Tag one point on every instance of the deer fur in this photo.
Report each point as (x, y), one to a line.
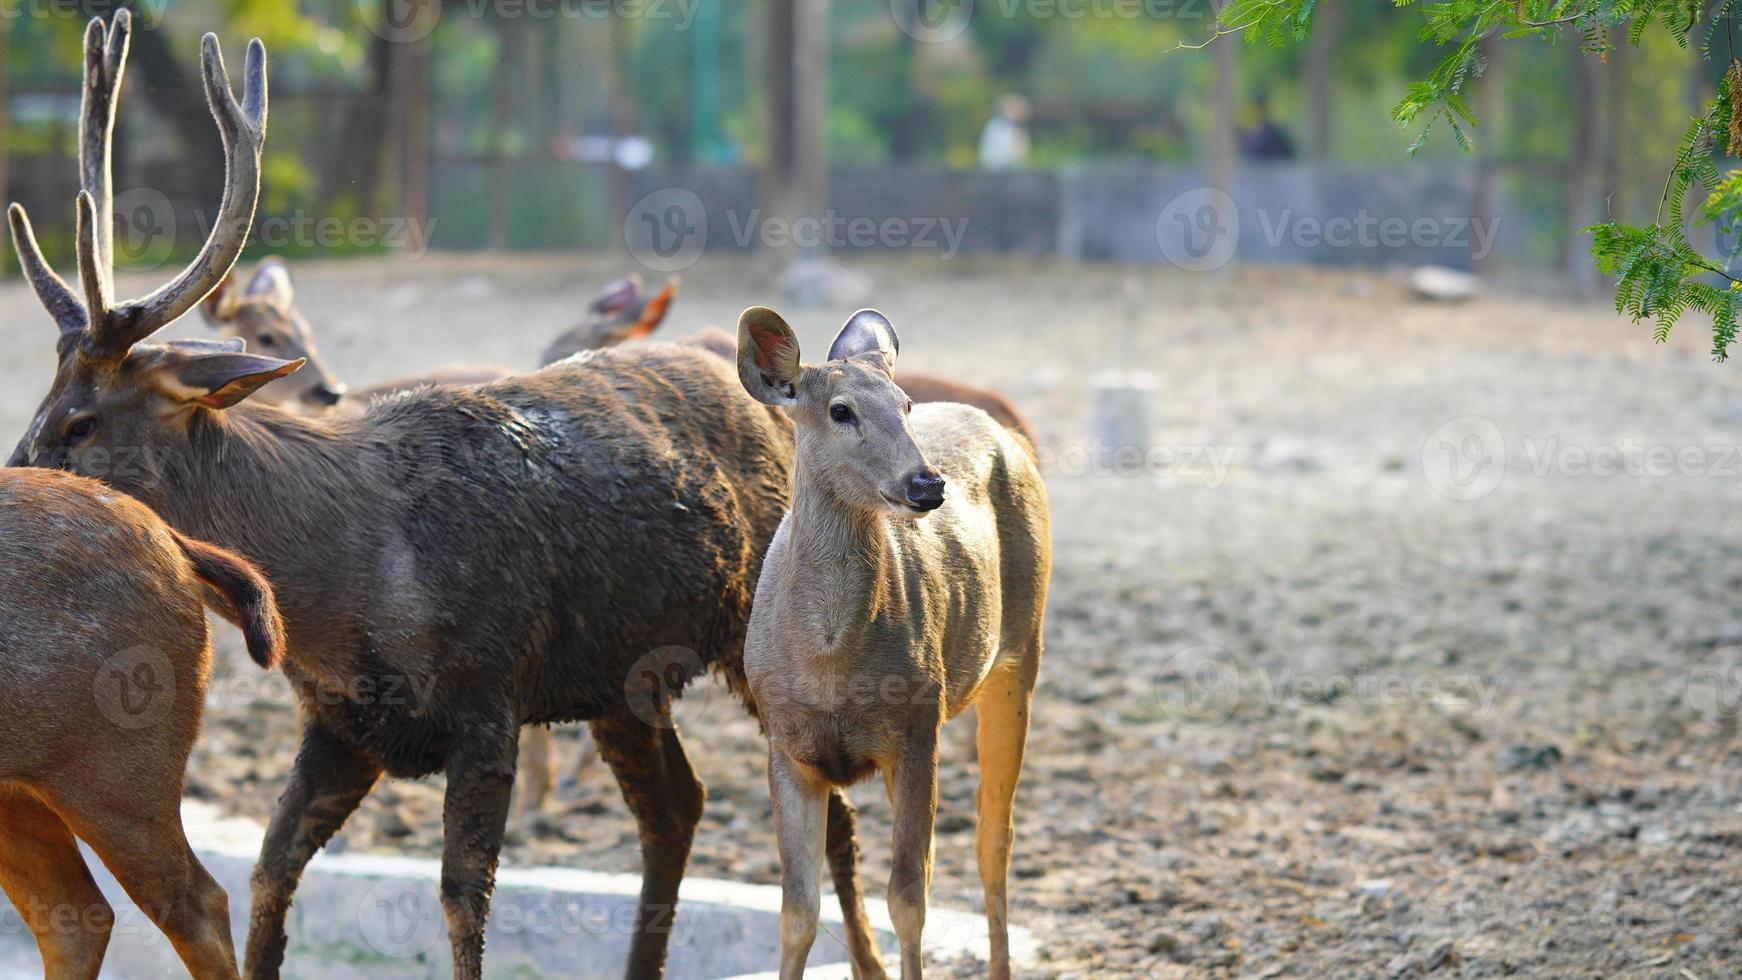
(104, 655)
(261, 311)
(453, 564)
(907, 583)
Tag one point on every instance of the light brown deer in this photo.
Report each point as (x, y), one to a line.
(907, 583)
(452, 565)
(104, 654)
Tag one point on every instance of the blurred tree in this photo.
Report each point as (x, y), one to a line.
(5, 100)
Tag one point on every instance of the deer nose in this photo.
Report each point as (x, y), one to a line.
(925, 490)
(326, 395)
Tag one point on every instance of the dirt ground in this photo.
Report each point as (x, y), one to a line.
(1307, 711)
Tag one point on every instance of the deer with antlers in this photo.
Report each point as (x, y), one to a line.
(452, 565)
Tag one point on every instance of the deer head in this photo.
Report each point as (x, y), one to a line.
(262, 313)
(620, 313)
(850, 418)
(111, 392)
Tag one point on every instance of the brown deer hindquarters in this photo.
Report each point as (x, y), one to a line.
(103, 662)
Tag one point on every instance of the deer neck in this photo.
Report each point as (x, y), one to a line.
(273, 486)
(840, 565)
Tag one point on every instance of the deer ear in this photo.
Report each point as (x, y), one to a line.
(618, 295)
(652, 312)
(867, 332)
(219, 306)
(767, 357)
(271, 282)
(217, 379)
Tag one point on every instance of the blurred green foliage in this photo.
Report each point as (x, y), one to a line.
(1098, 74)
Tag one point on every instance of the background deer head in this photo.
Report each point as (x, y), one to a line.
(261, 312)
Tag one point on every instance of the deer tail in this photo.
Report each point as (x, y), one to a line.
(249, 593)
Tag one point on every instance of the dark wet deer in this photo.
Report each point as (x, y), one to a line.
(907, 584)
(104, 655)
(452, 565)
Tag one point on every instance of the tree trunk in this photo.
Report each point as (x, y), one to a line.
(796, 179)
(621, 99)
(1224, 139)
(1582, 199)
(510, 39)
(1485, 206)
(411, 98)
(5, 103)
(356, 167)
(1321, 54)
(1615, 134)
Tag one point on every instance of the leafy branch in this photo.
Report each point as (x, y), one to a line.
(1658, 273)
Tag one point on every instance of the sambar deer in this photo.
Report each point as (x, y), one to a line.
(907, 583)
(260, 310)
(452, 565)
(104, 655)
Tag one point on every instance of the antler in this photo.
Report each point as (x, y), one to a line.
(104, 325)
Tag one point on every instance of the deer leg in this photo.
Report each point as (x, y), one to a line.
(140, 839)
(666, 797)
(843, 851)
(44, 875)
(327, 782)
(801, 828)
(913, 785)
(585, 759)
(480, 768)
(1003, 705)
(533, 786)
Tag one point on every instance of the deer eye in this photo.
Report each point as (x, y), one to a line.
(81, 429)
(267, 341)
(841, 413)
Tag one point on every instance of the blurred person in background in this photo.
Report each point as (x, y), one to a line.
(1004, 141)
(1261, 138)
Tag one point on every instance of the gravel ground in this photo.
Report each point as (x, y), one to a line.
(1305, 711)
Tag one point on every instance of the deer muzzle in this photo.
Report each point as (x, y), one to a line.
(924, 490)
